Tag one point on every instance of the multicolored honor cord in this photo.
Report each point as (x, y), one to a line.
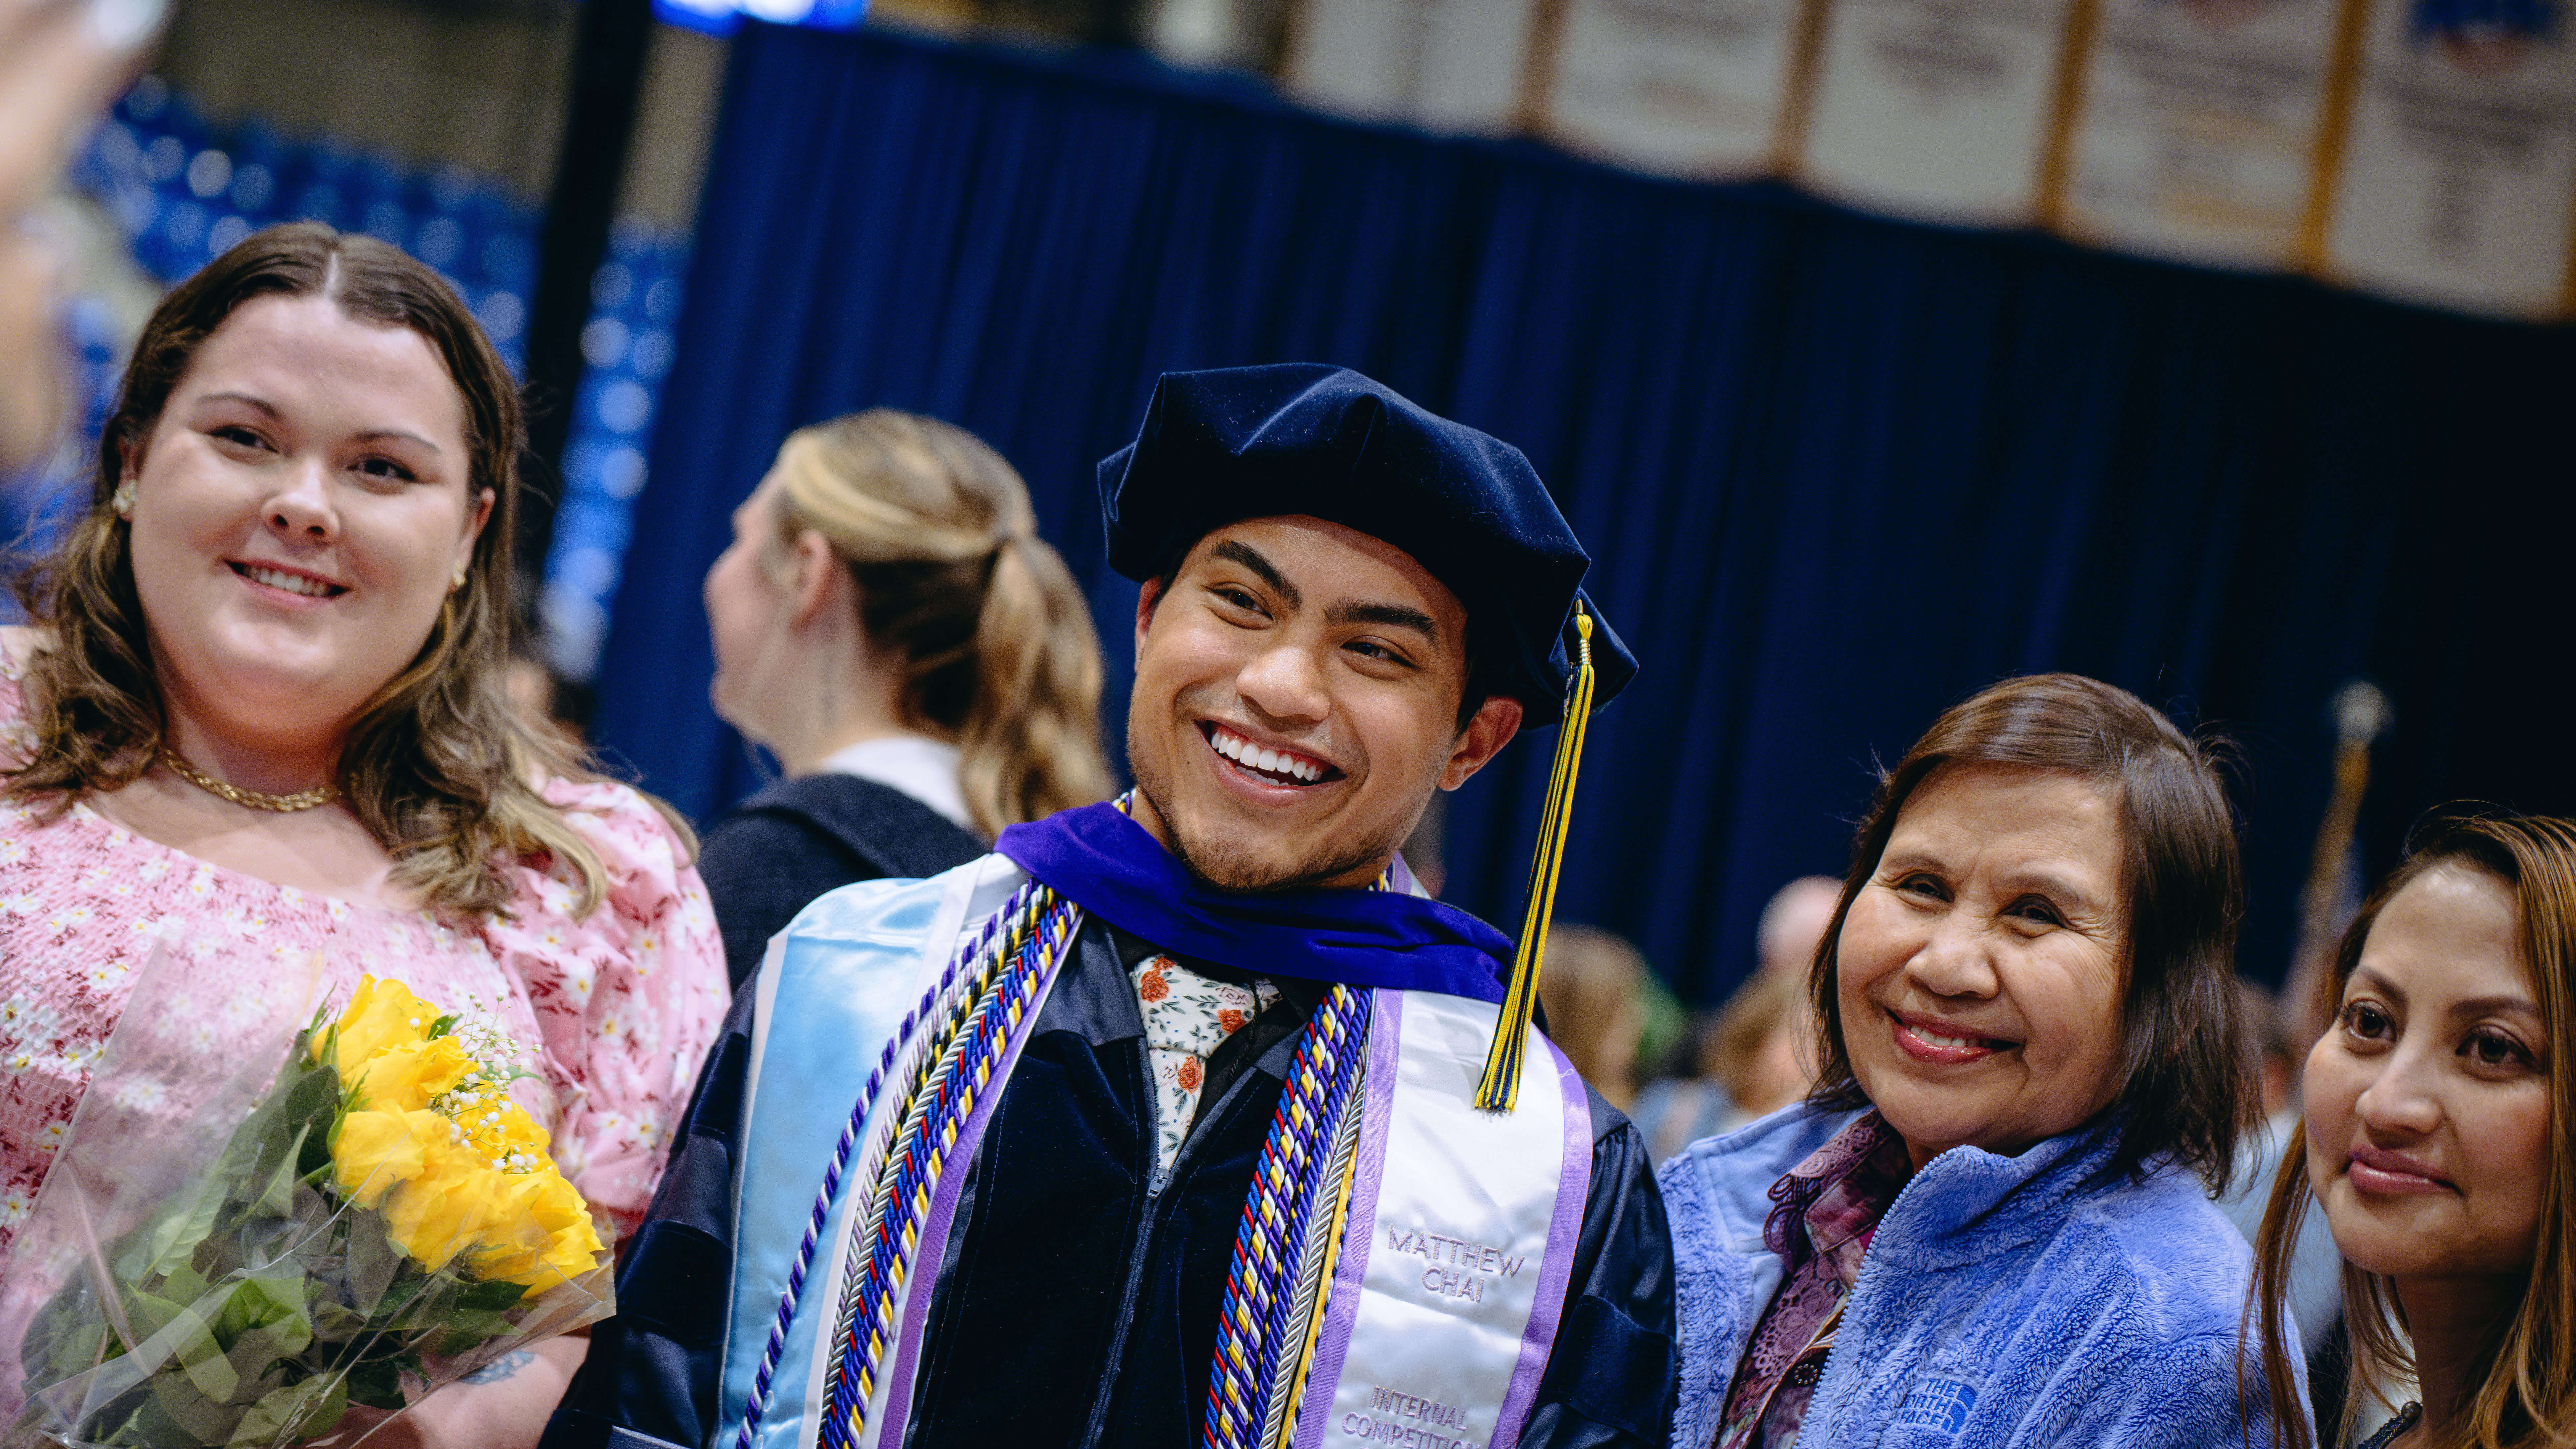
(941, 1058)
(1291, 1230)
(953, 1067)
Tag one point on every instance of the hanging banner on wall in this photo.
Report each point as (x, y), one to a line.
(1450, 65)
(1938, 109)
(2458, 177)
(1696, 88)
(2199, 127)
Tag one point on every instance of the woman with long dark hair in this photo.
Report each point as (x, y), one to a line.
(262, 714)
(2440, 1137)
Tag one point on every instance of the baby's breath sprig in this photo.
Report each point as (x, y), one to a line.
(480, 1113)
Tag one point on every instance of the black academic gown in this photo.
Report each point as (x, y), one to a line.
(1077, 1305)
(797, 839)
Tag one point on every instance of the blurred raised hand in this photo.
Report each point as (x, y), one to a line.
(60, 62)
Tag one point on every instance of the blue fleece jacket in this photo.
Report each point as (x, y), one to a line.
(2002, 1302)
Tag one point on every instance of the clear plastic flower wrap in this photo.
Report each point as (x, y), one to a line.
(267, 1210)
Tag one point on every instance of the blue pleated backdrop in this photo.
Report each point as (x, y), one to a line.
(1835, 471)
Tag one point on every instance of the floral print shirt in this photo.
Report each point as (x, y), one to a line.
(613, 1010)
(1187, 1017)
(1827, 1209)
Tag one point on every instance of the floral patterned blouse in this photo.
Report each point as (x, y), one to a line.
(1187, 1017)
(613, 1010)
(1825, 1211)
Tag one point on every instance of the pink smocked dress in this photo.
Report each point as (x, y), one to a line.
(614, 1009)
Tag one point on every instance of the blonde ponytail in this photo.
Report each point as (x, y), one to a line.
(996, 640)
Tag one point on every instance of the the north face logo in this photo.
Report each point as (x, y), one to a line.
(1940, 1404)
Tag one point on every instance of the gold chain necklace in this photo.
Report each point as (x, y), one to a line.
(255, 799)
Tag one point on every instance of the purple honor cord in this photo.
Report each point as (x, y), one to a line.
(1258, 1328)
(832, 1172)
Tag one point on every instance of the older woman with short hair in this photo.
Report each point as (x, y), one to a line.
(1990, 1222)
(263, 714)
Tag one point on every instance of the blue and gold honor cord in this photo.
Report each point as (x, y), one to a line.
(951, 1079)
(955, 1034)
(1291, 1230)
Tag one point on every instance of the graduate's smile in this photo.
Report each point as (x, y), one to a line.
(1298, 690)
(1274, 768)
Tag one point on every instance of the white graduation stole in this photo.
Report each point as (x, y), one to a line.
(1463, 1226)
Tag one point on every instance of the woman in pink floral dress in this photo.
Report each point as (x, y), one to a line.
(262, 714)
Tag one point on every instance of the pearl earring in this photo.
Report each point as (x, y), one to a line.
(456, 579)
(123, 501)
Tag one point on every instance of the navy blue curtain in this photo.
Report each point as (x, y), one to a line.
(1836, 472)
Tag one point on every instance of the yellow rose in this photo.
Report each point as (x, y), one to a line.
(566, 1259)
(380, 1014)
(548, 1239)
(446, 1209)
(374, 1150)
(407, 1076)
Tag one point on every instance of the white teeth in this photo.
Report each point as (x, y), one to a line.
(1251, 756)
(292, 583)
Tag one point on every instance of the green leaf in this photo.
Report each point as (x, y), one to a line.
(201, 1358)
(491, 1295)
(185, 1284)
(442, 1026)
(68, 1336)
(271, 1302)
(279, 1174)
(313, 1096)
(260, 1357)
(298, 1411)
(373, 1263)
(336, 1322)
(377, 1384)
(313, 1162)
(170, 1240)
(199, 1417)
(150, 1313)
(113, 1422)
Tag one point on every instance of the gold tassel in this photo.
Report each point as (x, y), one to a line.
(1501, 1088)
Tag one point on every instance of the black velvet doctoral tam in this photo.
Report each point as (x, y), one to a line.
(1230, 443)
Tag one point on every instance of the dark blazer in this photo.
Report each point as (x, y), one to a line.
(799, 838)
(1077, 1305)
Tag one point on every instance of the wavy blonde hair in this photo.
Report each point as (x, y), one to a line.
(443, 767)
(996, 641)
(2526, 1393)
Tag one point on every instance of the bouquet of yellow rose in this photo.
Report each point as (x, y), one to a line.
(385, 1218)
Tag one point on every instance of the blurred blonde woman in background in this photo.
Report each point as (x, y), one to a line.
(889, 624)
(2440, 1136)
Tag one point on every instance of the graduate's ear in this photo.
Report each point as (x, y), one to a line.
(1488, 730)
(1147, 595)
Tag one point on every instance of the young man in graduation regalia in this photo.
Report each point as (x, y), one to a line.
(1188, 1119)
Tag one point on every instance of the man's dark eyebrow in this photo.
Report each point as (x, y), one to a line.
(1235, 551)
(1394, 616)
